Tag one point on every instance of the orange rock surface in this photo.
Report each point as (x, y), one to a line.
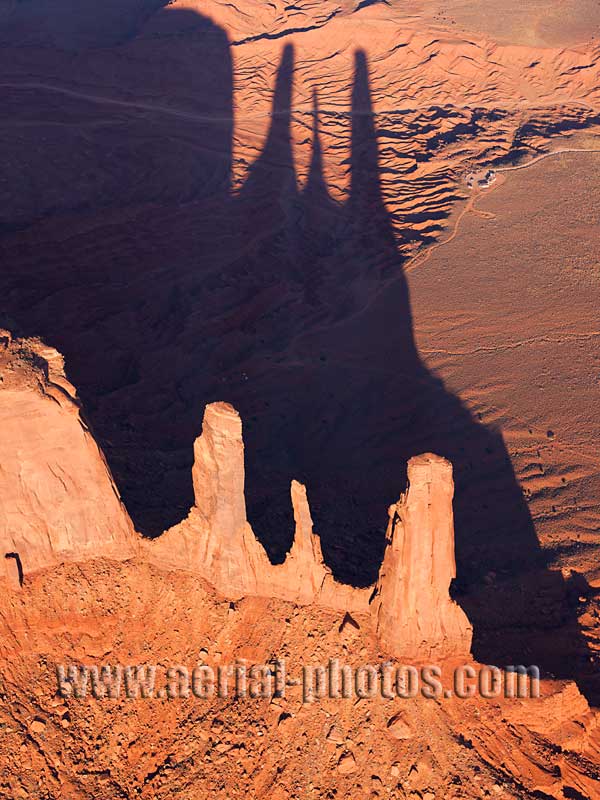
(415, 616)
(51, 461)
(58, 501)
(370, 227)
(414, 613)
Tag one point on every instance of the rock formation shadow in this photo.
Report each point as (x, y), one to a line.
(294, 308)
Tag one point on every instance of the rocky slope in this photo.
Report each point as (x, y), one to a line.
(206, 594)
(105, 613)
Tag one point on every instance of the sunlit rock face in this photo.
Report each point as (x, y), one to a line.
(57, 498)
(217, 542)
(59, 503)
(415, 615)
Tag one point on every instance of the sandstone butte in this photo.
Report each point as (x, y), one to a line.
(59, 503)
(80, 585)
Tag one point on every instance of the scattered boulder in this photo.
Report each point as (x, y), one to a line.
(399, 727)
(347, 763)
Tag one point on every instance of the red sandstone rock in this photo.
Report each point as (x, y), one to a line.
(414, 613)
(346, 764)
(302, 575)
(304, 578)
(217, 542)
(57, 498)
(53, 478)
(415, 616)
(398, 727)
(59, 502)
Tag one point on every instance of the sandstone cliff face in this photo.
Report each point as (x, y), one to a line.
(415, 616)
(58, 504)
(57, 498)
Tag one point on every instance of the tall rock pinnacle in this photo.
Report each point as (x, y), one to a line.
(218, 475)
(415, 616)
(216, 540)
